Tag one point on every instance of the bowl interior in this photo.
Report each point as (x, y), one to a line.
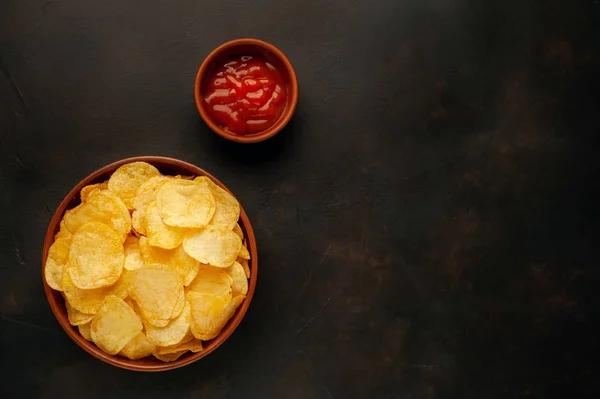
(167, 166)
(252, 47)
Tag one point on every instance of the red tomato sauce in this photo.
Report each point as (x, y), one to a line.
(246, 95)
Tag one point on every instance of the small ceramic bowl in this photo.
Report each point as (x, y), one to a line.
(252, 47)
(167, 166)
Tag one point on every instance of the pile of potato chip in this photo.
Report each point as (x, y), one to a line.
(150, 264)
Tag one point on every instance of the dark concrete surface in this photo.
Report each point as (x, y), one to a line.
(427, 224)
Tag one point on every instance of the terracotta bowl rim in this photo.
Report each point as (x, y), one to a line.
(60, 313)
(292, 95)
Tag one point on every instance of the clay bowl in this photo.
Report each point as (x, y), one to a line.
(167, 166)
(260, 49)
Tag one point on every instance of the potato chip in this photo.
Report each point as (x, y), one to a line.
(185, 177)
(173, 332)
(238, 230)
(89, 301)
(145, 195)
(185, 203)
(133, 255)
(214, 281)
(96, 256)
(170, 357)
(87, 190)
(100, 206)
(121, 287)
(244, 254)
(240, 281)
(139, 347)
(172, 353)
(160, 234)
(188, 337)
(132, 304)
(126, 180)
(154, 255)
(186, 266)
(244, 263)
(138, 222)
(114, 325)
(177, 259)
(85, 331)
(192, 345)
(210, 313)
(58, 255)
(77, 318)
(227, 208)
(213, 246)
(158, 292)
(63, 232)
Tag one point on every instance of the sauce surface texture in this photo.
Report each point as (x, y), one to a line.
(246, 95)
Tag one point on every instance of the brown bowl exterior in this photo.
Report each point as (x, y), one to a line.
(248, 47)
(168, 166)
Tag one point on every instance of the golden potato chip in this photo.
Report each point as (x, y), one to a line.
(154, 255)
(170, 357)
(177, 259)
(186, 266)
(212, 280)
(160, 234)
(63, 232)
(227, 208)
(77, 318)
(185, 177)
(238, 230)
(132, 304)
(85, 331)
(100, 206)
(185, 203)
(89, 301)
(244, 263)
(138, 222)
(139, 347)
(213, 246)
(133, 255)
(174, 352)
(114, 325)
(96, 256)
(192, 345)
(240, 281)
(87, 190)
(121, 287)
(173, 332)
(210, 313)
(188, 337)
(145, 195)
(244, 254)
(58, 255)
(158, 292)
(126, 180)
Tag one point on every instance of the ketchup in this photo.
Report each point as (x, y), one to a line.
(246, 95)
